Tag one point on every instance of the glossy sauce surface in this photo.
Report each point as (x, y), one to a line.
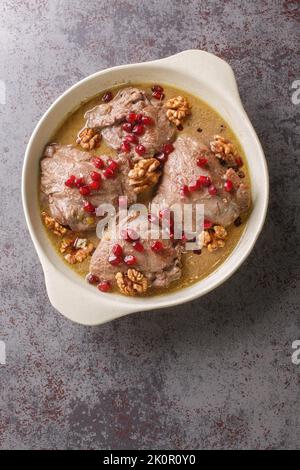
(203, 123)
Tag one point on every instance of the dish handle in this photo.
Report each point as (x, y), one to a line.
(216, 71)
(72, 301)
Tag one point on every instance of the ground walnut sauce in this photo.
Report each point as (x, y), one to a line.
(156, 144)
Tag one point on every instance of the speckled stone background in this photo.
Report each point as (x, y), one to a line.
(216, 373)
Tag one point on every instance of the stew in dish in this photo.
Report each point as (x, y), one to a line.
(158, 146)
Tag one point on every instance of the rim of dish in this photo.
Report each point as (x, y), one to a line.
(164, 300)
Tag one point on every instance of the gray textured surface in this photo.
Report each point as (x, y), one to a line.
(216, 373)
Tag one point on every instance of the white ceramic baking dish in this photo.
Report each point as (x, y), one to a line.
(198, 72)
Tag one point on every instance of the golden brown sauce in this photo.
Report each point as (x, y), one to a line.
(203, 123)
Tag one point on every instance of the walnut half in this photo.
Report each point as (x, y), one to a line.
(132, 283)
(224, 150)
(215, 238)
(144, 174)
(53, 226)
(66, 244)
(178, 109)
(79, 255)
(88, 139)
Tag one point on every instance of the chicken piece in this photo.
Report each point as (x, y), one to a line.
(108, 114)
(66, 204)
(181, 169)
(108, 119)
(160, 266)
(154, 137)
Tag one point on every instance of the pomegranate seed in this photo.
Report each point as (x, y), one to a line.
(157, 246)
(129, 235)
(228, 186)
(184, 190)
(132, 139)
(147, 120)
(161, 156)
(239, 161)
(157, 88)
(127, 126)
(212, 190)
(104, 286)
(204, 180)
(92, 278)
(238, 222)
(138, 246)
(170, 231)
(84, 190)
(97, 162)
(202, 162)
(95, 176)
(79, 182)
(88, 207)
(70, 182)
(125, 146)
(139, 118)
(168, 148)
(114, 260)
(166, 214)
(158, 95)
(207, 224)
(193, 187)
(107, 97)
(199, 183)
(208, 181)
(95, 185)
(108, 173)
(139, 129)
(125, 236)
(130, 260)
(140, 150)
(117, 250)
(113, 165)
(132, 234)
(153, 219)
(184, 238)
(180, 127)
(132, 117)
